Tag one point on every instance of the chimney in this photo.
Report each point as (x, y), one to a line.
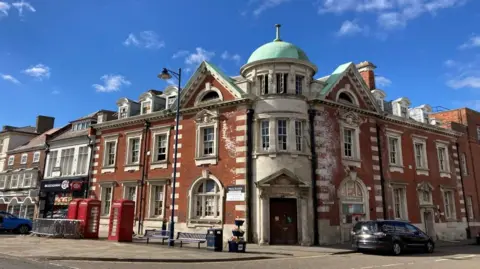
(366, 70)
(44, 123)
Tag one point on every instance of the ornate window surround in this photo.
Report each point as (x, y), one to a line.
(205, 119)
(350, 120)
(128, 137)
(157, 131)
(107, 139)
(447, 172)
(425, 187)
(348, 90)
(192, 221)
(421, 140)
(392, 133)
(208, 88)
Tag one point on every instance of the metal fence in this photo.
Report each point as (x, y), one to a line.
(59, 228)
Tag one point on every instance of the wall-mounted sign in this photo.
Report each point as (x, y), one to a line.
(236, 193)
(76, 185)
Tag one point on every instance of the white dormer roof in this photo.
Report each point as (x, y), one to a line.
(170, 90)
(426, 108)
(124, 101)
(379, 94)
(403, 101)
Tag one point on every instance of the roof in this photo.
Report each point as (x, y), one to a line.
(35, 142)
(24, 129)
(278, 50)
(334, 77)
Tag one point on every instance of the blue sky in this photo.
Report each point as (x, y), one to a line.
(69, 58)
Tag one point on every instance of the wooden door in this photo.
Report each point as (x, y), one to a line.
(283, 221)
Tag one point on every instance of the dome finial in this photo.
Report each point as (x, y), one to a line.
(278, 32)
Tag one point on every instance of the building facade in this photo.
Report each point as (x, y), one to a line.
(301, 159)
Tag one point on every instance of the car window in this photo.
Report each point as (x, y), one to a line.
(386, 227)
(400, 227)
(5, 215)
(411, 228)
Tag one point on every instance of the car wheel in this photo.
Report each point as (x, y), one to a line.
(23, 229)
(396, 248)
(429, 247)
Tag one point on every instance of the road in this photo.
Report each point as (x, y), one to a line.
(466, 257)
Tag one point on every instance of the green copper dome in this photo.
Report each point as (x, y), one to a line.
(276, 50)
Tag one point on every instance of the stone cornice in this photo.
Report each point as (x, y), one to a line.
(391, 118)
(164, 114)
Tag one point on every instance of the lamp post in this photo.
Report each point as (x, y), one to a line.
(167, 74)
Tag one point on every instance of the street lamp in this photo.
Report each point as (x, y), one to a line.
(167, 74)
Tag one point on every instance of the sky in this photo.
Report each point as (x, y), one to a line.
(67, 58)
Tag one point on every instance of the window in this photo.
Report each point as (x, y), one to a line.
(282, 134)
(210, 96)
(298, 85)
(52, 160)
(470, 207)
(14, 181)
(400, 203)
(394, 150)
(1, 145)
(133, 150)
(380, 103)
(161, 148)
(352, 198)
(403, 112)
(463, 162)
(263, 83)
(27, 180)
(123, 112)
(156, 200)
(345, 98)
(299, 135)
(206, 200)
(478, 133)
(146, 107)
(110, 151)
(23, 159)
(36, 157)
(80, 126)
(82, 163)
(66, 161)
(420, 155)
(442, 158)
(348, 142)
(449, 201)
(208, 141)
(282, 83)
(3, 181)
(265, 134)
(171, 100)
(106, 198)
(11, 160)
(130, 192)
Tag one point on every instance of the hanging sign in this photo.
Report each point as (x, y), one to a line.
(236, 193)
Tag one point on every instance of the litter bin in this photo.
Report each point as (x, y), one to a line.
(215, 239)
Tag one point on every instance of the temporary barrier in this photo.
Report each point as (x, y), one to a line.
(61, 228)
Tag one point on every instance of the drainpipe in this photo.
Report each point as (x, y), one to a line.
(249, 174)
(382, 178)
(314, 163)
(144, 176)
(463, 190)
(91, 145)
(42, 174)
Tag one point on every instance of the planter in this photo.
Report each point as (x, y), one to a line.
(236, 246)
(239, 222)
(238, 233)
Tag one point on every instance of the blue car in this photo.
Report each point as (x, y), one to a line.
(9, 222)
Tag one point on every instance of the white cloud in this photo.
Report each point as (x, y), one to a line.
(111, 83)
(199, 56)
(382, 81)
(473, 42)
(234, 57)
(4, 7)
(22, 5)
(449, 63)
(462, 75)
(9, 78)
(263, 5)
(39, 71)
(180, 53)
(145, 39)
(473, 104)
(464, 82)
(350, 28)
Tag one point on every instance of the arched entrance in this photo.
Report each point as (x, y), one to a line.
(353, 202)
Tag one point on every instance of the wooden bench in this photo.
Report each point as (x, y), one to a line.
(156, 234)
(191, 238)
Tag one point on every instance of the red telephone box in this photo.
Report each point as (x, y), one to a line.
(120, 227)
(72, 212)
(89, 212)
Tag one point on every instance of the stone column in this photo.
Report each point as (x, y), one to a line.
(265, 220)
(306, 240)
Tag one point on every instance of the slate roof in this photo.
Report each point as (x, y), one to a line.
(35, 142)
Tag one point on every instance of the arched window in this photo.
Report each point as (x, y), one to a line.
(14, 207)
(210, 96)
(27, 210)
(353, 200)
(206, 200)
(345, 98)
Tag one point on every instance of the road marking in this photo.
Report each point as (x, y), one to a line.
(463, 257)
(441, 260)
(393, 264)
(60, 265)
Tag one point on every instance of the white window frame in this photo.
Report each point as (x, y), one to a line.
(126, 107)
(129, 137)
(299, 79)
(403, 202)
(11, 160)
(452, 213)
(17, 178)
(146, 102)
(463, 163)
(287, 134)
(69, 162)
(445, 172)
(299, 145)
(25, 176)
(2, 141)
(36, 157)
(469, 203)
(262, 136)
(4, 179)
(355, 159)
(156, 133)
(347, 90)
(51, 165)
(103, 189)
(398, 165)
(422, 170)
(24, 158)
(87, 160)
(151, 209)
(192, 218)
(206, 119)
(106, 168)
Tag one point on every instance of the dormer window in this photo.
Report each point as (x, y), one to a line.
(146, 107)
(210, 96)
(262, 81)
(123, 112)
(282, 83)
(400, 107)
(81, 126)
(171, 100)
(379, 96)
(403, 112)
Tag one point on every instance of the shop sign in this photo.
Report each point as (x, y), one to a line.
(76, 185)
(236, 193)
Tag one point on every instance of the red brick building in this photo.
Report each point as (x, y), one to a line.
(310, 156)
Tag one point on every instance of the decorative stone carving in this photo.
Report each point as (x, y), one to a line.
(206, 116)
(350, 118)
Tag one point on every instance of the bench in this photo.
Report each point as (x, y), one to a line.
(191, 238)
(156, 234)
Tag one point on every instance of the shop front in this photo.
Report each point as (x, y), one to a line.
(56, 194)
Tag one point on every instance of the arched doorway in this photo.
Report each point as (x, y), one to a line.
(353, 202)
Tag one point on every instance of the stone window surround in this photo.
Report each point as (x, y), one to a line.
(128, 184)
(11, 160)
(270, 74)
(103, 185)
(356, 159)
(349, 92)
(452, 190)
(24, 158)
(107, 139)
(392, 133)
(207, 222)
(127, 111)
(5, 179)
(208, 88)
(425, 187)
(421, 140)
(291, 139)
(444, 144)
(128, 137)
(157, 131)
(36, 157)
(147, 100)
(404, 201)
(200, 159)
(152, 183)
